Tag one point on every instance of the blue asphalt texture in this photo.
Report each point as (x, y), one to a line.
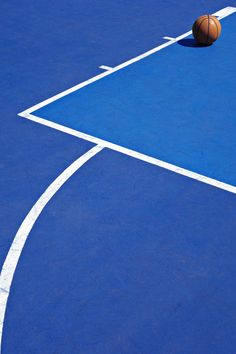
(177, 105)
(47, 47)
(145, 264)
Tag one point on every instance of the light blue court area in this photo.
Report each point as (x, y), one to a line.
(177, 105)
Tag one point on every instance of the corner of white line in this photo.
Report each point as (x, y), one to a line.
(105, 67)
(21, 114)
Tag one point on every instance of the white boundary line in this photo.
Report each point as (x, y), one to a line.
(132, 153)
(27, 114)
(221, 14)
(22, 234)
(229, 10)
(102, 75)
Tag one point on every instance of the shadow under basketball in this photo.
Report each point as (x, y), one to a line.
(190, 42)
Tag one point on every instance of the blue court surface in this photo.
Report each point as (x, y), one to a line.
(118, 210)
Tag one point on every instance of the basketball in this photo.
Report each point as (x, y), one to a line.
(206, 29)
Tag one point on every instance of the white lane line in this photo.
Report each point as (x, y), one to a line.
(105, 67)
(11, 261)
(100, 76)
(221, 13)
(27, 114)
(133, 153)
(229, 10)
(169, 38)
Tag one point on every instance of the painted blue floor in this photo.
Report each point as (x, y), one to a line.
(145, 264)
(177, 105)
(47, 47)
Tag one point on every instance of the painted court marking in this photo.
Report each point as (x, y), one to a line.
(22, 234)
(132, 153)
(105, 67)
(28, 114)
(11, 261)
(221, 14)
(169, 38)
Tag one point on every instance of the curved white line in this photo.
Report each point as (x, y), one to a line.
(22, 234)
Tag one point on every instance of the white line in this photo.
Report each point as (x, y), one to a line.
(18, 243)
(222, 13)
(133, 153)
(27, 114)
(105, 67)
(169, 38)
(102, 75)
(225, 12)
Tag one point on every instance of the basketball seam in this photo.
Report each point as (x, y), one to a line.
(217, 32)
(208, 28)
(200, 25)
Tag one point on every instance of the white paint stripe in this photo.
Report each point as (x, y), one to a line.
(18, 243)
(26, 114)
(227, 11)
(169, 38)
(102, 75)
(223, 13)
(105, 67)
(133, 153)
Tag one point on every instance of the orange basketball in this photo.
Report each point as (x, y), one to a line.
(206, 29)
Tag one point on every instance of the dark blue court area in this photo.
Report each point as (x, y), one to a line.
(101, 252)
